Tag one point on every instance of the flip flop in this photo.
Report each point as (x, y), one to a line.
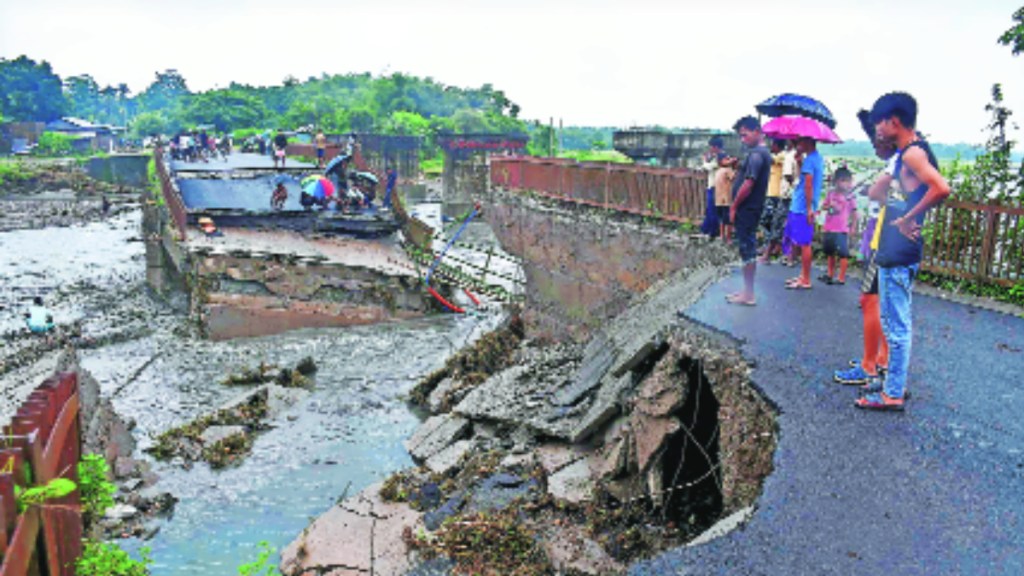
(735, 299)
(798, 286)
(878, 401)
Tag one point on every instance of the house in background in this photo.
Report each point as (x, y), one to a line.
(88, 136)
(19, 137)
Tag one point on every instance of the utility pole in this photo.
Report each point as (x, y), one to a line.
(551, 137)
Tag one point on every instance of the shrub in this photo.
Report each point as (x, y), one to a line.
(108, 559)
(55, 144)
(96, 491)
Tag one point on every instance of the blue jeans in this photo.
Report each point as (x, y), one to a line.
(894, 288)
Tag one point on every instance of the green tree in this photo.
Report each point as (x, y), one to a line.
(83, 95)
(1014, 36)
(30, 91)
(225, 109)
(150, 123)
(167, 93)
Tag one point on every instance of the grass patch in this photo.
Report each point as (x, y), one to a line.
(1009, 294)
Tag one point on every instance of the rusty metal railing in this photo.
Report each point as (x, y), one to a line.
(41, 443)
(668, 194)
(175, 205)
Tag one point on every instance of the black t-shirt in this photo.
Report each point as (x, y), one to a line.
(757, 166)
(280, 141)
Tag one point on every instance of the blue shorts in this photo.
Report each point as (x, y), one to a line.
(320, 152)
(798, 230)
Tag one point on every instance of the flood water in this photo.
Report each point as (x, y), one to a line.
(345, 435)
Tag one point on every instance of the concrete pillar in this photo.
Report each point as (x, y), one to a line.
(465, 178)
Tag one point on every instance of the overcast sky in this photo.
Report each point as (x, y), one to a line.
(674, 63)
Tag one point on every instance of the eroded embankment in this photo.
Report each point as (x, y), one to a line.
(544, 457)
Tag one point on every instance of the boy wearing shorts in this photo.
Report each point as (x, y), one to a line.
(802, 209)
(841, 217)
(724, 176)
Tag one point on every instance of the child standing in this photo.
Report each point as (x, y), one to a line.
(723, 196)
(841, 217)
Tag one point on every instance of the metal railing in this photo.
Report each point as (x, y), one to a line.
(41, 443)
(172, 197)
(675, 195)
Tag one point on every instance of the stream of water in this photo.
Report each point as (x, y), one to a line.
(345, 435)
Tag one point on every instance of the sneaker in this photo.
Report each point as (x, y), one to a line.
(826, 279)
(881, 369)
(880, 402)
(852, 376)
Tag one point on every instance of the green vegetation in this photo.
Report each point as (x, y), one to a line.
(432, 166)
(108, 559)
(95, 490)
(262, 566)
(1014, 36)
(55, 144)
(56, 488)
(15, 171)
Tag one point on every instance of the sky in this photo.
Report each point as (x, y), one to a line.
(596, 63)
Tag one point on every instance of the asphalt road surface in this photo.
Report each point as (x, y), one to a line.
(938, 489)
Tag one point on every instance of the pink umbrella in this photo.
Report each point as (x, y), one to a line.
(792, 127)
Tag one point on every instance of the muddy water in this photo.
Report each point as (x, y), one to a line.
(345, 435)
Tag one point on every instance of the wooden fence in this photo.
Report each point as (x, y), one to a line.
(41, 443)
(676, 195)
(981, 242)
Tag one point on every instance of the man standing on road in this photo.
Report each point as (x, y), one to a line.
(321, 149)
(895, 116)
(802, 210)
(749, 190)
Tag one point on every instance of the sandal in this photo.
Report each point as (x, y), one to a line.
(879, 402)
(798, 286)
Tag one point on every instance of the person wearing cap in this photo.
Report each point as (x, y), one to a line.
(208, 227)
(39, 319)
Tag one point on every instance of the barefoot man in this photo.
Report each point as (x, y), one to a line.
(749, 190)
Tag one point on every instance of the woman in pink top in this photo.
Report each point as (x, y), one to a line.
(842, 217)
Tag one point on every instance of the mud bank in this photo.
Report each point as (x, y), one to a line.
(566, 457)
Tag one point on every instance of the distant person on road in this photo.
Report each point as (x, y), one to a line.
(802, 210)
(866, 370)
(899, 255)
(392, 180)
(278, 198)
(749, 191)
(714, 155)
(280, 144)
(39, 319)
(321, 149)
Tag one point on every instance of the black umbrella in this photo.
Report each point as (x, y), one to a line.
(796, 105)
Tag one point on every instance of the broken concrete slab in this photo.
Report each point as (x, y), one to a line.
(554, 457)
(599, 355)
(281, 398)
(339, 538)
(650, 436)
(362, 535)
(572, 483)
(439, 395)
(436, 434)
(448, 458)
(569, 550)
(663, 392)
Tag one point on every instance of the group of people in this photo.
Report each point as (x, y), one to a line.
(192, 146)
(750, 196)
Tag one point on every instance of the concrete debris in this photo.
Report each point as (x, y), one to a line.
(572, 483)
(569, 550)
(448, 458)
(217, 434)
(436, 434)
